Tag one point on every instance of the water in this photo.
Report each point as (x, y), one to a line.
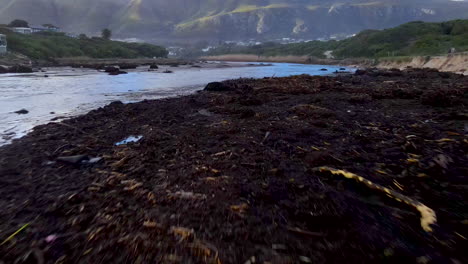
(68, 92)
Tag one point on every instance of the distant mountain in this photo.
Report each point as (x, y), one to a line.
(229, 19)
(399, 43)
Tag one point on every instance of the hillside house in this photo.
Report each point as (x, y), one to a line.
(3, 44)
(22, 30)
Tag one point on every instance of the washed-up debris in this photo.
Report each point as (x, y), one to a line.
(248, 185)
(130, 139)
(187, 195)
(304, 259)
(428, 216)
(73, 159)
(14, 234)
(150, 224)
(205, 112)
(240, 208)
(182, 233)
(93, 160)
(51, 238)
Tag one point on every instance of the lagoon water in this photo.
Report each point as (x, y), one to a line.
(69, 92)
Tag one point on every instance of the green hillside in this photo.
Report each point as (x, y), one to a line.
(411, 39)
(56, 45)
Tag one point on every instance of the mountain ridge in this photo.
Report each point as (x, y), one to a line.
(229, 19)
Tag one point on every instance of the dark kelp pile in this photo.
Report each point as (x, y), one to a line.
(249, 172)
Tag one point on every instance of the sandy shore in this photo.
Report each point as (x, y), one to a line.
(457, 63)
(242, 172)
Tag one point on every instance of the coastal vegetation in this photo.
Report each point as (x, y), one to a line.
(410, 39)
(51, 45)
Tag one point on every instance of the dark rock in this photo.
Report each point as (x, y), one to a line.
(116, 103)
(342, 69)
(22, 112)
(3, 69)
(46, 75)
(20, 69)
(118, 72)
(167, 71)
(217, 87)
(111, 69)
(73, 159)
(323, 69)
(154, 66)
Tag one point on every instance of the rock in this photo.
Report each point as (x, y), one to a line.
(217, 87)
(3, 69)
(20, 69)
(153, 66)
(73, 159)
(111, 69)
(342, 69)
(323, 69)
(167, 71)
(118, 72)
(22, 112)
(116, 103)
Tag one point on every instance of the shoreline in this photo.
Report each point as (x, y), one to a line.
(111, 64)
(216, 170)
(120, 88)
(457, 63)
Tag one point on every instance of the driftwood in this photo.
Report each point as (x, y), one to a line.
(428, 216)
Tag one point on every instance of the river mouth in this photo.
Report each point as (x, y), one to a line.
(58, 93)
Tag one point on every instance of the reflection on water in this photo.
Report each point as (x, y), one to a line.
(67, 92)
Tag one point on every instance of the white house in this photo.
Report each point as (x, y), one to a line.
(22, 30)
(3, 44)
(51, 28)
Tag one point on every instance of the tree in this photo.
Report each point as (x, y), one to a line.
(18, 23)
(106, 33)
(49, 26)
(82, 36)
